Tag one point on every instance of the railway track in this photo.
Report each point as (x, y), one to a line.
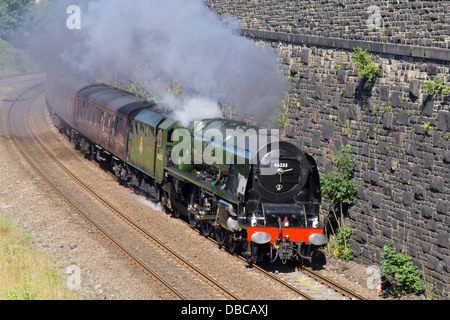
(311, 282)
(175, 274)
(307, 288)
(305, 282)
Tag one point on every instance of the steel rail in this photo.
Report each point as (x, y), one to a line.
(162, 281)
(17, 75)
(332, 284)
(274, 277)
(325, 281)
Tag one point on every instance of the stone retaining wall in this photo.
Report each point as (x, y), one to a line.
(402, 170)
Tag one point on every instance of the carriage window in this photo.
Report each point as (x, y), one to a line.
(84, 112)
(91, 114)
(116, 129)
(113, 128)
(103, 120)
(97, 117)
(80, 109)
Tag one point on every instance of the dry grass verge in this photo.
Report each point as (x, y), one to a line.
(25, 272)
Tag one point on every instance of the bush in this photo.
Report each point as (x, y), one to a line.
(7, 60)
(339, 189)
(436, 85)
(344, 249)
(368, 69)
(14, 60)
(403, 275)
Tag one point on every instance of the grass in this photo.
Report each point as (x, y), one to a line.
(25, 272)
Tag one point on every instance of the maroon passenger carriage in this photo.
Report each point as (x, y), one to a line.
(95, 120)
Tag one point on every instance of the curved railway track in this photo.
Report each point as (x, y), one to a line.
(305, 282)
(159, 251)
(22, 138)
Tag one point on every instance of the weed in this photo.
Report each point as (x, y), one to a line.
(426, 126)
(368, 69)
(405, 277)
(337, 66)
(339, 188)
(436, 85)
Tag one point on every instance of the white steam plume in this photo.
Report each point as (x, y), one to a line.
(179, 41)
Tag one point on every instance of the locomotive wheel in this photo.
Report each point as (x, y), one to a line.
(90, 152)
(192, 220)
(193, 201)
(221, 235)
(232, 243)
(175, 213)
(252, 252)
(206, 228)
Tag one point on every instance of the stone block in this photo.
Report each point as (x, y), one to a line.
(427, 212)
(305, 56)
(419, 193)
(447, 156)
(437, 184)
(314, 116)
(427, 106)
(442, 207)
(414, 88)
(402, 117)
(319, 91)
(428, 161)
(350, 90)
(361, 237)
(416, 170)
(398, 139)
(396, 99)
(381, 242)
(443, 120)
(408, 198)
(432, 69)
(362, 136)
(316, 139)
(377, 199)
(290, 131)
(388, 120)
(303, 99)
(370, 222)
(366, 176)
(384, 93)
(411, 150)
(418, 129)
(443, 240)
(341, 76)
(432, 262)
(374, 178)
(386, 232)
(405, 176)
(328, 131)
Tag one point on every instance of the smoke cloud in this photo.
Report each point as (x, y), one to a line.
(176, 41)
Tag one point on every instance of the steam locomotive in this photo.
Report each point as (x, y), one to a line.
(257, 195)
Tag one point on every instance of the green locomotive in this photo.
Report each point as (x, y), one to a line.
(254, 193)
